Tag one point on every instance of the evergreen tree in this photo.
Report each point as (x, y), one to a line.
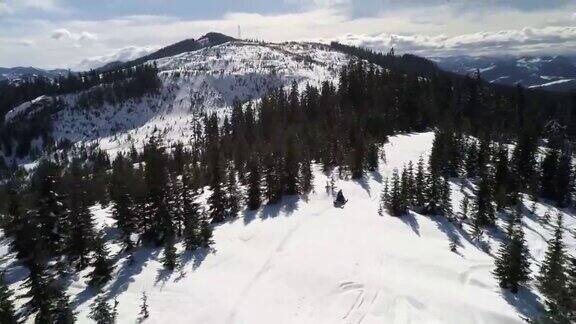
(191, 214)
(7, 310)
(156, 211)
(396, 204)
(563, 180)
(47, 297)
(383, 199)
(512, 264)
(102, 312)
(372, 159)
(233, 196)
(552, 279)
(81, 235)
(420, 183)
(254, 199)
(501, 178)
(465, 206)
(484, 207)
(52, 216)
(290, 169)
(169, 258)
(123, 205)
(103, 265)
(272, 179)
(571, 287)
(433, 194)
(549, 166)
(306, 176)
(446, 201)
(144, 313)
(217, 200)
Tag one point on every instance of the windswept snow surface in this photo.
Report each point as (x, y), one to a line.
(304, 261)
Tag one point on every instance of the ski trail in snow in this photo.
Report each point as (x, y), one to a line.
(268, 264)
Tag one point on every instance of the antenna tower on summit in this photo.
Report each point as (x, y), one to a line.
(239, 32)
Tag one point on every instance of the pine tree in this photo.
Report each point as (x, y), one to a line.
(512, 265)
(156, 211)
(563, 180)
(190, 214)
(62, 312)
(465, 206)
(217, 200)
(272, 179)
(306, 176)
(52, 216)
(484, 207)
(290, 169)
(169, 258)
(103, 266)
(144, 313)
(383, 199)
(571, 287)
(254, 199)
(7, 310)
(81, 234)
(549, 166)
(433, 194)
(372, 158)
(396, 204)
(102, 312)
(420, 183)
(123, 205)
(471, 162)
(446, 201)
(205, 231)
(47, 297)
(501, 178)
(552, 279)
(233, 196)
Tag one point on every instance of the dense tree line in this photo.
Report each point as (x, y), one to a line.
(95, 89)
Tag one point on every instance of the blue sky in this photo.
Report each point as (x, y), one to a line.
(81, 34)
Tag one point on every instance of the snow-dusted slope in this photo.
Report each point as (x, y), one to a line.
(304, 261)
(209, 79)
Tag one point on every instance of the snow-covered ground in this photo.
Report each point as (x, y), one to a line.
(304, 261)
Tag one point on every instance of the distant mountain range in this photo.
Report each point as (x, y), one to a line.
(554, 73)
(18, 73)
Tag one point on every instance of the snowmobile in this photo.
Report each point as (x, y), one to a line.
(340, 200)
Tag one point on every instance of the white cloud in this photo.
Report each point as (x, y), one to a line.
(124, 54)
(434, 31)
(63, 34)
(561, 39)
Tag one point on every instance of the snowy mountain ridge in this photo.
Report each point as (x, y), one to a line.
(206, 80)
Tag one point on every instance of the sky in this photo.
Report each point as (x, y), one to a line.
(83, 34)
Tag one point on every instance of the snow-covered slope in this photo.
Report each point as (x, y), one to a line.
(304, 261)
(209, 79)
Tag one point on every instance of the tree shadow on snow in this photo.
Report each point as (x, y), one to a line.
(526, 302)
(410, 219)
(288, 205)
(130, 267)
(363, 182)
(196, 257)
